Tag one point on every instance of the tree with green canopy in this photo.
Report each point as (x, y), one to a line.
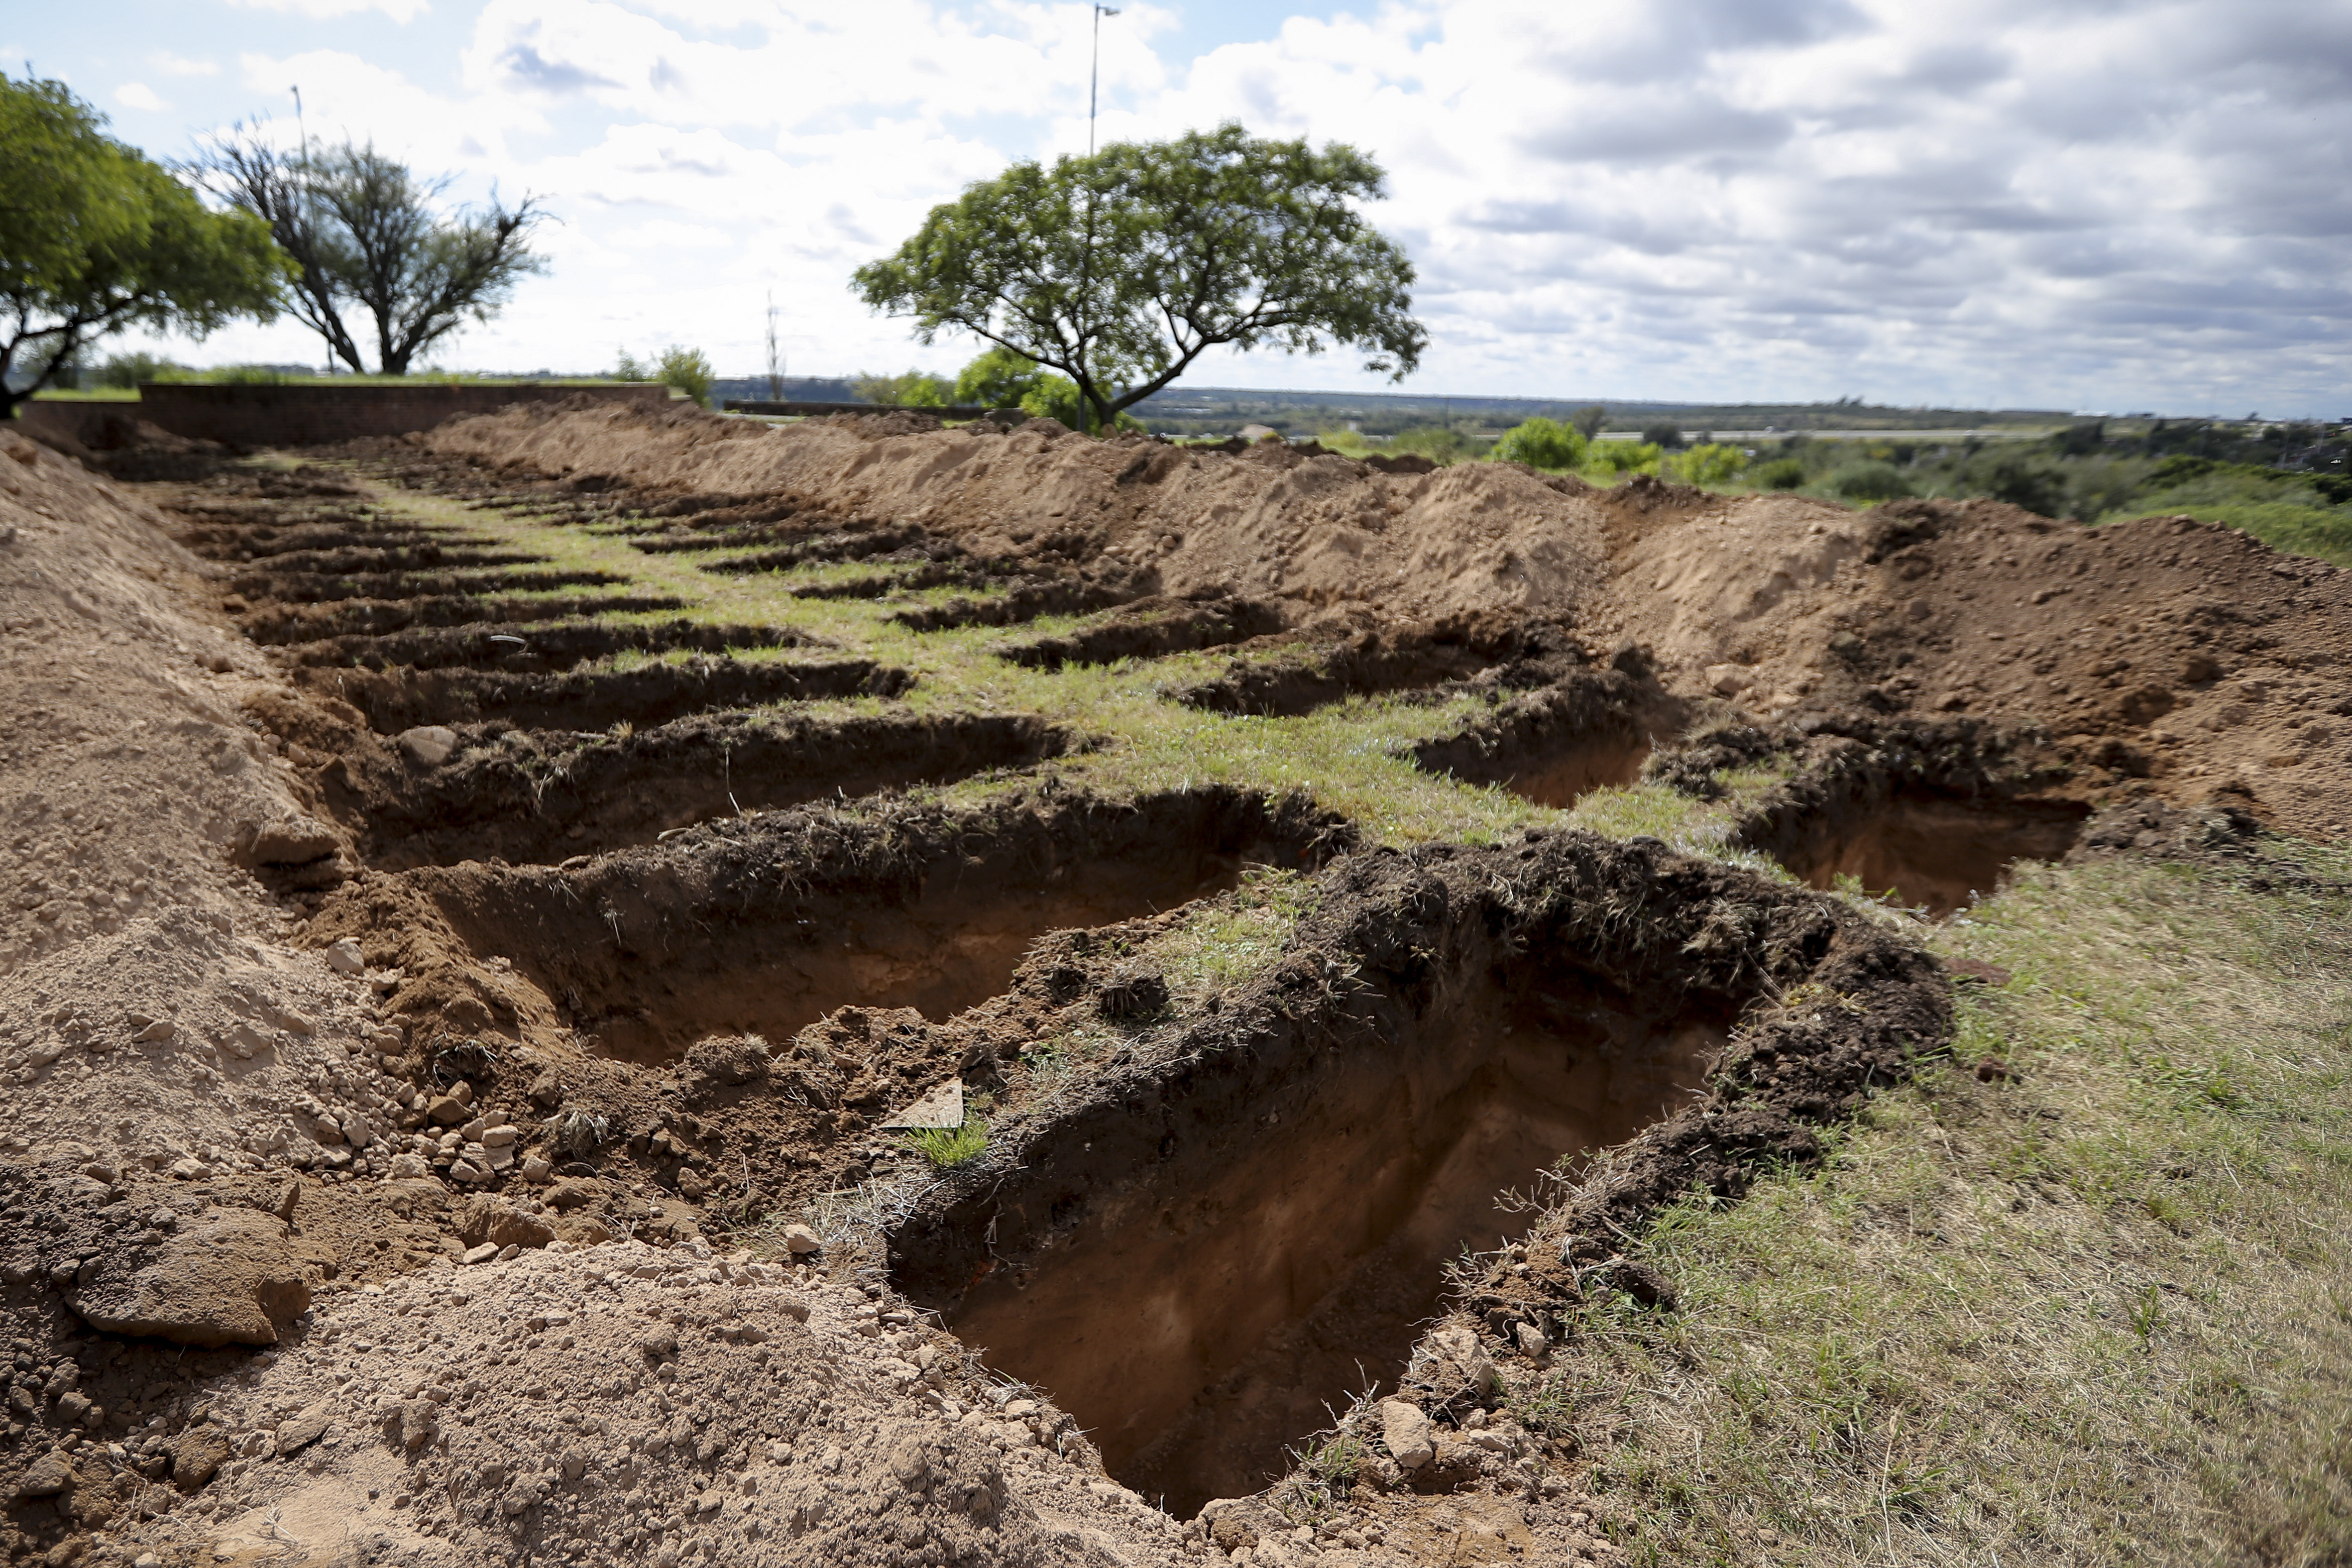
(95, 236)
(362, 230)
(1122, 269)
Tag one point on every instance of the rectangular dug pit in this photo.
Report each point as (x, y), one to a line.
(1204, 1307)
(521, 796)
(1930, 849)
(1589, 730)
(652, 694)
(793, 917)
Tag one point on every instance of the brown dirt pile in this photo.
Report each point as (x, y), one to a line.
(2185, 654)
(1320, 530)
(150, 1016)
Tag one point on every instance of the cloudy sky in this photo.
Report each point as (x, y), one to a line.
(2084, 203)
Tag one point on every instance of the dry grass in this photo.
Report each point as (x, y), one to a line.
(2101, 1314)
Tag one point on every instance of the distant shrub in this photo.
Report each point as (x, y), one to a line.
(1780, 474)
(248, 374)
(131, 369)
(913, 390)
(1624, 457)
(1711, 464)
(2027, 485)
(1541, 442)
(1436, 443)
(1667, 437)
(1869, 481)
(686, 371)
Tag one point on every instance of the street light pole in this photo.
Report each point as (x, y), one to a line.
(1094, 76)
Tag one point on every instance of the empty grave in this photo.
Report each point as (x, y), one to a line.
(773, 923)
(523, 797)
(1931, 849)
(1590, 730)
(537, 648)
(1214, 1253)
(396, 700)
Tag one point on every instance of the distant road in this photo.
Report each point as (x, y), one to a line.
(1995, 433)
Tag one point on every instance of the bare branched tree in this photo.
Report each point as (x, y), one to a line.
(364, 232)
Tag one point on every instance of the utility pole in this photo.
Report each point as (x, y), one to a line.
(775, 359)
(1094, 76)
(1093, 86)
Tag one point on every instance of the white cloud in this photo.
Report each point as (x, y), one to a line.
(345, 96)
(140, 96)
(170, 64)
(326, 10)
(2094, 203)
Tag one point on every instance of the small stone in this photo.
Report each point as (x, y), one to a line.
(1407, 1432)
(294, 841)
(419, 1418)
(536, 1170)
(232, 1277)
(302, 1431)
(1531, 1339)
(48, 1476)
(428, 745)
(201, 1452)
(482, 1253)
(345, 958)
(409, 1168)
(802, 1240)
(156, 1033)
(494, 1136)
(446, 1111)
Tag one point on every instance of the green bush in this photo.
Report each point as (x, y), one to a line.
(1624, 457)
(1780, 474)
(131, 369)
(1711, 464)
(686, 371)
(1541, 442)
(2027, 485)
(915, 389)
(1869, 481)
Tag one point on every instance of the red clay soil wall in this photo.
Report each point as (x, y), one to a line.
(258, 414)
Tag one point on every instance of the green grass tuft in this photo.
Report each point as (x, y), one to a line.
(946, 1147)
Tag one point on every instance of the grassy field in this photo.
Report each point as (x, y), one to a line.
(2099, 1311)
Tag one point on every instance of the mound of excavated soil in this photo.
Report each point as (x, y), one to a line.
(1321, 531)
(2182, 654)
(149, 1012)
